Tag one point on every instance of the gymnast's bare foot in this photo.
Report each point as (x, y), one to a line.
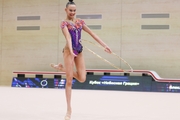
(58, 67)
(68, 116)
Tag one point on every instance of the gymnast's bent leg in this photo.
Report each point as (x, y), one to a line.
(80, 73)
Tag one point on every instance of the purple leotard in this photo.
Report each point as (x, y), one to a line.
(75, 32)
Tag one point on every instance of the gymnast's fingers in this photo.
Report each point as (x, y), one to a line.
(108, 50)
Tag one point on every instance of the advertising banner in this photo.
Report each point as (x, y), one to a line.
(100, 82)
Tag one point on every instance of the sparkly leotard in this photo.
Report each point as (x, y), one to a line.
(75, 32)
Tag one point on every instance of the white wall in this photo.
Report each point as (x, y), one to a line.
(121, 30)
(0, 37)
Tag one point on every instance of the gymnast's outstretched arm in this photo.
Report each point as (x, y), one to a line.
(88, 30)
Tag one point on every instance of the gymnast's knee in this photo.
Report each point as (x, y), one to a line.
(82, 79)
(69, 81)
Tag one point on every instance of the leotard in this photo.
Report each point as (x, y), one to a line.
(75, 32)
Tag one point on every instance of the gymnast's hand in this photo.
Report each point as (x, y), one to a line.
(107, 49)
(73, 54)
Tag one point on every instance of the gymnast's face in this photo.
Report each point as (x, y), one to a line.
(71, 11)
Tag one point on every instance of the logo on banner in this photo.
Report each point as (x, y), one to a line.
(171, 87)
(95, 82)
(44, 83)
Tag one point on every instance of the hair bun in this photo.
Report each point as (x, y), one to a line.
(70, 3)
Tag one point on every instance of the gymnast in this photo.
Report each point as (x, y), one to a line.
(72, 52)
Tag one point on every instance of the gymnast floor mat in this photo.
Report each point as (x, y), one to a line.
(50, 104)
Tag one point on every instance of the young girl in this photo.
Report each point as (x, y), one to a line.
(72, 52)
